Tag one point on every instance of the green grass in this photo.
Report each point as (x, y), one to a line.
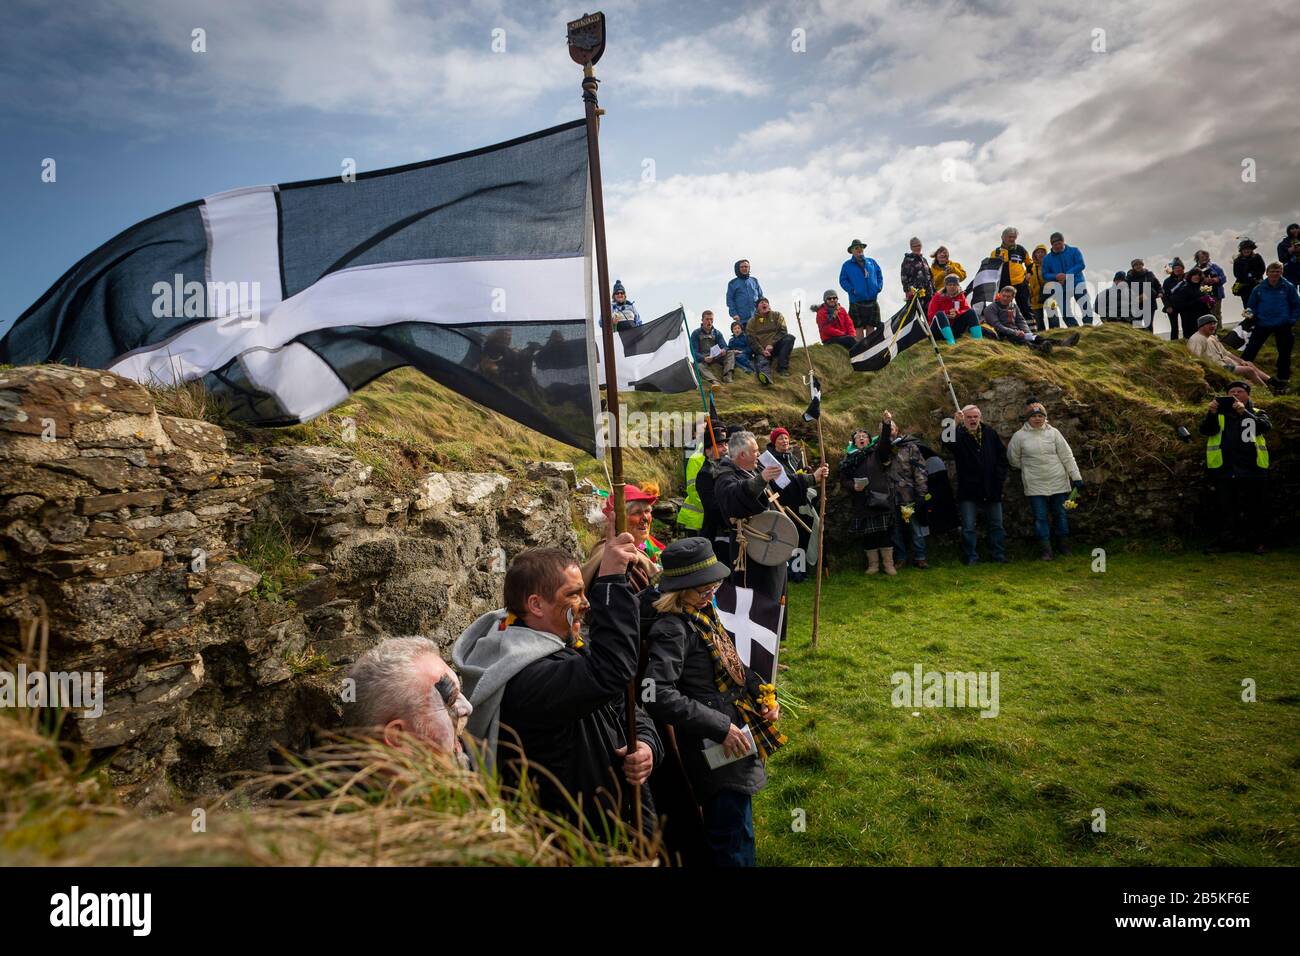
(1120, 690)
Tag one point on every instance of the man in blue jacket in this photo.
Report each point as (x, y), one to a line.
(743, 293)
(1063, 276)
(862, 279)
(1275, 305)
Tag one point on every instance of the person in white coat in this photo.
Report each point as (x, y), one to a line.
(1048, 472)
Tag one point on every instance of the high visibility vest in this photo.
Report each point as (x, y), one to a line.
(1214, 449)
(691, 514)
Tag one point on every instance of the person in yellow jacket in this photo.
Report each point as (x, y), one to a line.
(1035, 272)
(691, 514)
(1017, 268)
(941, 265)
(1236, 468)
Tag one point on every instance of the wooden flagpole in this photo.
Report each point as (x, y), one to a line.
(821, 498)
(586, 44)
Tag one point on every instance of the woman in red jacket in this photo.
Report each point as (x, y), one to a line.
(951, 314)
(834, 324)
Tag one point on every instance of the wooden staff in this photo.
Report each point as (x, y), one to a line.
(586, 44)
(821, 497)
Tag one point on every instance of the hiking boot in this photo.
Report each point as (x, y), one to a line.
(783, 372)
(1278, 386)
(726, 378)
(1063, 545)
(921, 563)
(887, 558)
(1042, 345)
(1046, 553)
(764, 378)
(1069, 340)
(873, 561)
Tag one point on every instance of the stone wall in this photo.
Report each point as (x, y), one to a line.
(129, 526)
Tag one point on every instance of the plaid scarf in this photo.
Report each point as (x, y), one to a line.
(729, 673)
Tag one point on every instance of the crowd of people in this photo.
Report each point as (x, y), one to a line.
(540, 687)
(1038, 292)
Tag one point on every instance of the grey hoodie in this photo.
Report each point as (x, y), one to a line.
(487, 656)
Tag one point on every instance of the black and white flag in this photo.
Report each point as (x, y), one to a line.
(652, 357)
(904, 328)
(814, 409)
(473, 268)
(754, 622)
(984, 287)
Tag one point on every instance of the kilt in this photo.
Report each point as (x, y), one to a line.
(873, 522)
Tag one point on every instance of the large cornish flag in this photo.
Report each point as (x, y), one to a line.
(473, 268)
(653, 357)
(984, 287)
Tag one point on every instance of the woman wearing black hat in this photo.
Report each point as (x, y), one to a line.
(709, 696)
(1247, 269)
(864, 474)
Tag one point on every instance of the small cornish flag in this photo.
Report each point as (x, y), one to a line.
(754, 622)
(473, 268)
(984, 287)
(653, 357)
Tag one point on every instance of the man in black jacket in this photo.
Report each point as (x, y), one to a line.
(1236, 461)
(740, 489)
(527, 671)
(981, 472)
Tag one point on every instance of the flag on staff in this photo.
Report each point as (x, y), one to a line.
(754, 622)
(814, 409)
(284, 299)
(984, 287)
(903, 329)
(653, 357)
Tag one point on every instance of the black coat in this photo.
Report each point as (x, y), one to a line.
(981, 466)
(871, 463)
(1249, 272)
(1188, 302)
(687, 697)
(737, 494)
(568, 713)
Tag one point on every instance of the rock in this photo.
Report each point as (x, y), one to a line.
(131, 499)
(194, 435)
(154, 692)
(537, 470)
(110, 567)
(234, 576)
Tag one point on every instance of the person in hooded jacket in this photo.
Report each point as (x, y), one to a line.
(710, 697)
(981, 475)
(1287, 242)
(864, 476)
(544, 696)
(915, 274)
(834, 326)
(1247, 271)
(1048, 473)
(743, 293)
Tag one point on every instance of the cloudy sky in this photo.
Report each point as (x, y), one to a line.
(775, 132)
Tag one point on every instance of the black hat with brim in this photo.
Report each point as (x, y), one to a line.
(690, 563)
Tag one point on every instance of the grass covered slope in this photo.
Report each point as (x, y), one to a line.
(1119, 690)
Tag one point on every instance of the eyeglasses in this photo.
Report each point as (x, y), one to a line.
(707, 590)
